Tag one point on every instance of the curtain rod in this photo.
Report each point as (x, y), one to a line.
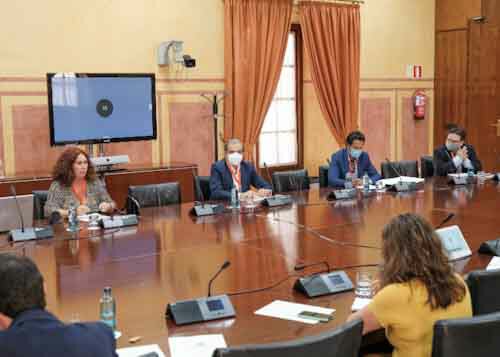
(354, 2)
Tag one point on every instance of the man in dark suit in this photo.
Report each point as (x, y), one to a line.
(27, 329)
(455, 156)
(232, 171)
(349, 165)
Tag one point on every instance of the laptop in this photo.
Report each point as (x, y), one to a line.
(9, 214)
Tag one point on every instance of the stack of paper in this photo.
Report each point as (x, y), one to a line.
(290, 311)
(494, 264)
(360, 303)
(139, 351)
(393, 181)
(195, 346)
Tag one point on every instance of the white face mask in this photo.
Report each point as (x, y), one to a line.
(235, 158)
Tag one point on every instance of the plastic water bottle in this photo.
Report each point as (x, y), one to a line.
(235, 198)
(366, 182)
(108, 308)
(72, 219)
(470, 175)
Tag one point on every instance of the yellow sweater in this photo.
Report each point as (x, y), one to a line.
(408, 321)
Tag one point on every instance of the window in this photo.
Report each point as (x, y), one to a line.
(279, 139)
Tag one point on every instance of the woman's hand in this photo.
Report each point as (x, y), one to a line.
(82, 210)
(106, 207)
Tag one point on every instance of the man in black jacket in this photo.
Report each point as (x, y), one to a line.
(27, 329)
(455, 156)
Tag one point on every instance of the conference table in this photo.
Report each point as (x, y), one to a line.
(171, 255)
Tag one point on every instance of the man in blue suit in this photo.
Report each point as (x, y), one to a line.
(234, 172)
(28, 330)
(349, 165)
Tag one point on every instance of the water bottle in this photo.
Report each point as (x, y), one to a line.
(470, 175)
(108, 308)
(348, 181)
(366, 182)
(235, 198)
(72, 219)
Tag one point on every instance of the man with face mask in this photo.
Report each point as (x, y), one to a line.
(455, 156)
(348, 165)
(234, 172)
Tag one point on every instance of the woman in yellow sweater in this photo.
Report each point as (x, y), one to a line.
(418, 288)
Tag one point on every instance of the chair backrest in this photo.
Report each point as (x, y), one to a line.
(484, 287)
(202, 188)
(323, 175)
(285, 181)
(476, 336)
(39, 199)
(405, 168)
(426, 166)
(154, 195)
(342, 342)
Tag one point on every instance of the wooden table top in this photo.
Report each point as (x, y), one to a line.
(171, 256)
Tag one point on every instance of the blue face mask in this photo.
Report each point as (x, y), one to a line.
(355, 153)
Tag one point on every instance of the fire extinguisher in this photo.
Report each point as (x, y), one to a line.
(419, 99)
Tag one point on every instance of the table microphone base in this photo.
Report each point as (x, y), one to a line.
(403, 187)
(18, 235)
(200, 310)
(207, 209)
(278, 200)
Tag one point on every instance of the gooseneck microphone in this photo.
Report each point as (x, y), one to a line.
(198, 188)
(23, 234)
(393, 167)
(445, 220)
(269, 177)
(299, 267)
(224, 266)
(19, 212)
(136, 203)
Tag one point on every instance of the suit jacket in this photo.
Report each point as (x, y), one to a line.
(221, 180)
(37, 333)
(339, 167)
(443, 162)
(62, 197)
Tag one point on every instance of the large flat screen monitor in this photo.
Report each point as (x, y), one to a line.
(88, 108)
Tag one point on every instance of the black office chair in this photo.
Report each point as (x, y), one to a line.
(476, 336)
(405, 168)
(154, 195)
(342, 342)
(202, 188)
(286, 181)
(426, 166)
(484, 287)
(323, 175)
(39, 199)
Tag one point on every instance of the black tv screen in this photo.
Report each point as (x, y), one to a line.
(87, 108)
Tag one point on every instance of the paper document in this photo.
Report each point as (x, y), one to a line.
(360, 303)
(195, 346)
(139, 351)
(394, 180)
(494, 264)
(290, 311)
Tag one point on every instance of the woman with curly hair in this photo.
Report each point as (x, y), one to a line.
(75, 184)
(419, 288)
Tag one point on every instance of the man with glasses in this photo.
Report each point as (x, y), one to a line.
(232, 171)
(455, 156)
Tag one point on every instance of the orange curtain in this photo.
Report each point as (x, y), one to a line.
(256, 35)
(332, 39)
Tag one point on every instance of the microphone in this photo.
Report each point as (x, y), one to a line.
(224, 266)
(19, 212)
(136, 203)
(393, 167)
(299, 267)
(204, 308)
(446, 220)
(23, 234)
(198, 188)
(269, 176)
